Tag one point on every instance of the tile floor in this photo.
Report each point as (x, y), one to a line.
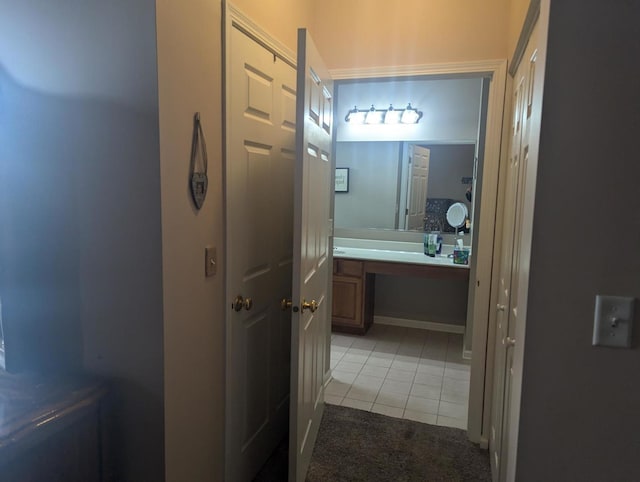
(401, 372)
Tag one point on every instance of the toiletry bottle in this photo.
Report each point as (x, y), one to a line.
(432, 245)
(439, 244)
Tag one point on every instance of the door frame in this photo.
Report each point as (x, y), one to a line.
(482, 280)
(232, 18)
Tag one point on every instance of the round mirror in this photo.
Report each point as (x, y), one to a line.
(457, 215)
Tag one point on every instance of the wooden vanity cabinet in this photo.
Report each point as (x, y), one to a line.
(352, 306)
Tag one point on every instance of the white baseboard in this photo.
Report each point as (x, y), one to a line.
(423, 325)
(484, 443)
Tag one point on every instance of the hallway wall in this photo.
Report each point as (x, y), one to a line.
(580, 403)
(80, 237)
(189, 81)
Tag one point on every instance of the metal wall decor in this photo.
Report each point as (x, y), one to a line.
(198, 179)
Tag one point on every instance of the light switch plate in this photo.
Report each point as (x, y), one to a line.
(613, 321)
(210, 261)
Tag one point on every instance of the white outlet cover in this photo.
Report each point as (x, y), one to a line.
(613, 320)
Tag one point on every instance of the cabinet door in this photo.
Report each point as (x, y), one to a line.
(347, 301)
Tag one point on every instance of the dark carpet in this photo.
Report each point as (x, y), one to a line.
(354, 445)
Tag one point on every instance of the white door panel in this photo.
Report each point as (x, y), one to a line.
(507, 319)
(312, 259)
(418, 181)
(259, 210)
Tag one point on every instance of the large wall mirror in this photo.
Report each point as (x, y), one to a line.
(403, 178)
(386, 190)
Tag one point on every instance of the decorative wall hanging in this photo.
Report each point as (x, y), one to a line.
(198, 179)
(342, 179)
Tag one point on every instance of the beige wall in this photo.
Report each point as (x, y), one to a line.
(369, 33)
(280, 19)
(517, 13)
(189, 70)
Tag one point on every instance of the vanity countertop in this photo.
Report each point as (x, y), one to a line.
(395, 256)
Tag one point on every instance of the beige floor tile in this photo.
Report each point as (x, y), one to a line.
(417, 404)
(451, 422)
(337, 388)
(353, 358)
(352, 367)
(420, 417)
(359, 404)
(400, 375)
(404, 364)
(380, 361)
(393, 386)
(428, 379)
(374, 371)
(365, 394)
(425, 391)
(386, 410)
(332, 399)
(344, 377)
(392, 399)
(458, 374)
(452, 409)
(367, 381)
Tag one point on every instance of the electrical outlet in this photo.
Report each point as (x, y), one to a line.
(613, 320)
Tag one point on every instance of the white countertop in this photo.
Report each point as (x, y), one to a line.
(393, 255)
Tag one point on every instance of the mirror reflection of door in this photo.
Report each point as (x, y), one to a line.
(418, 181)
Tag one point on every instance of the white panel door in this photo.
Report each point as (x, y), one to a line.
(508, 317)
(418, 179)
(312, 257)
(506, 269)
(259, 252)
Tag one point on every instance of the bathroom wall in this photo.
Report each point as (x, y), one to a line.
(450, 109)
(422, 299)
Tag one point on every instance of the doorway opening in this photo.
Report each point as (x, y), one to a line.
(479, 133)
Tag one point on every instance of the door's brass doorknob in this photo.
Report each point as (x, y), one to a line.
(240, 302)
(285, 304)
(237, 303)
(309, 305)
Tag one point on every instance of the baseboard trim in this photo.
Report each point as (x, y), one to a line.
(484, 443)
(419, 324)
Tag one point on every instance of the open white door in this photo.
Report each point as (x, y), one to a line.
(418, 177)
(514, 271)
(311, 257)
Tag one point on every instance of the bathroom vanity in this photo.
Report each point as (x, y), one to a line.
(355, 270)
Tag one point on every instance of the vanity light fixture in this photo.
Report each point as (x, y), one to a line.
(374, 116)
(409, 115)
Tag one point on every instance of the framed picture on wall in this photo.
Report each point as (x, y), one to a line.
(342, 179)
